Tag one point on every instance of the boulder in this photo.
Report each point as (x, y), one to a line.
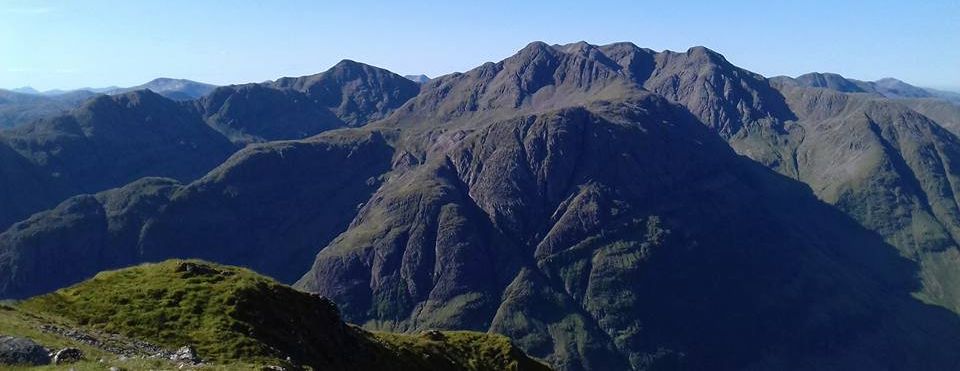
(22, 351)
(186, 354)
(67, 355)
(434, 335)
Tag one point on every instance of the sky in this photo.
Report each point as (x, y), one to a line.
(70, 44)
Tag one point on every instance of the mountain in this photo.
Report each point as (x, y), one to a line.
(24, 105)
(235, 318)
(175, 89)
(17, 108)
(553, 220)
(419, 79)
(886, 87)
(952, 96)
(56, 92)
(606, 207)
(350, 94)
(109, 141)
(113, 140)
(942, 107)
(25, 90)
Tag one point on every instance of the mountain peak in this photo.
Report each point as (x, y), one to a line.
(349, 64)
(831, 81)
(419, 79)
(536, 46)
(26, 90)
(706, 53)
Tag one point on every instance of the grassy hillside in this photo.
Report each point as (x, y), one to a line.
(236, 318)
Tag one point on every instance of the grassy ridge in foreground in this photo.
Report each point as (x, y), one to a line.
(232, 314)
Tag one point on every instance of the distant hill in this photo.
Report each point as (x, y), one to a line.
(18, 108)
(176, 89)
(886, 87)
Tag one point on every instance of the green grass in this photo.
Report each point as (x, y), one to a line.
(237, 319)
(169, 307)
(469, 350)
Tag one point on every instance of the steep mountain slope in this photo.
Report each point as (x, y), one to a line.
(20, 108)
(81, 236)
(24, 189)
(233, 315)
(945, 113)
(349, 94)
(109, 141)
(112, 140)
(889, 167)
(553, 221)
(268, 207)
(271, 206)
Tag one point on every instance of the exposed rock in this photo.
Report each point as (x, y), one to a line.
(186, 353)
(22, 351)
(67, 355)
(190, 269)
(434, 335)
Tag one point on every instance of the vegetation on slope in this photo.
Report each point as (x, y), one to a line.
(232, 314)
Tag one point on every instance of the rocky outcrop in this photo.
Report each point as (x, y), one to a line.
(67, 356)
(15, 351)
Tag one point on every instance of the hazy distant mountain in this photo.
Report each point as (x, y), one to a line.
(953, 96)
(26, 104)
(176, 89)
(607, 207)
(56, 92)
(886, 87)
(419, 79)
(940, 106)
(21, 108)
(25, 90)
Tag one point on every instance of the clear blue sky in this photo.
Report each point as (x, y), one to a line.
(74, 43)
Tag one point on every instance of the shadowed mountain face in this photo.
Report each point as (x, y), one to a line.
(112, 140)
(109, 141)
(888, 166)
(237, 210)
(607, 207)
(348, 95)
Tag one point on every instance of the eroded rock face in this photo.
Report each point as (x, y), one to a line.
(22, 351)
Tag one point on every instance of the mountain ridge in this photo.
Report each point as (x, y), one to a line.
(607, 207)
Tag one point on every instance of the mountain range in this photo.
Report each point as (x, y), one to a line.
(24, 105)
(605, 207)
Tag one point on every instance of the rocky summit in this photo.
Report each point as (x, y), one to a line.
(597, 207)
